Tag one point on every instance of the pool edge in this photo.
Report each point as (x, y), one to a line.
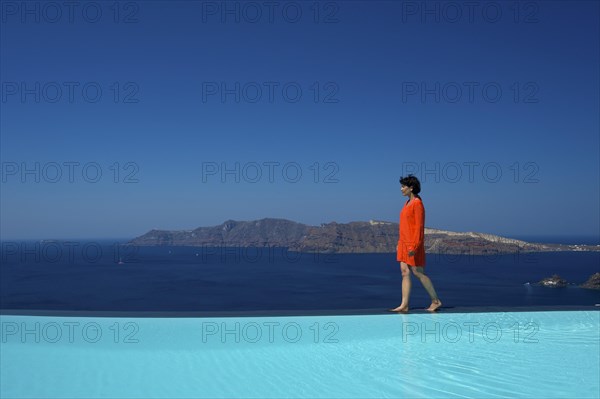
(286, 312)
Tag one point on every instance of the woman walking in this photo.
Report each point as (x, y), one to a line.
(410, 251)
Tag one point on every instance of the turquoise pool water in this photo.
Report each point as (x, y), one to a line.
(550, 354)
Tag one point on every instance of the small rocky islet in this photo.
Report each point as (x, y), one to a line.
(593, 282)
(555, 281)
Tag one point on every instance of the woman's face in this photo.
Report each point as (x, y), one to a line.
(405, 190)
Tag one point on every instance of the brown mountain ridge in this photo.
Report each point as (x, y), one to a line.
(353, 237)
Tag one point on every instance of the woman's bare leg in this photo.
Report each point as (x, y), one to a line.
(419, 272)
(406, 286)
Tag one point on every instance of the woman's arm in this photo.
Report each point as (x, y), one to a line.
(418, 229)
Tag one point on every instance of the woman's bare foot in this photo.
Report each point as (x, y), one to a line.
(434, 305)
(399, 309)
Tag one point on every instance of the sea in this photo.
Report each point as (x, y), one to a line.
(105, 275)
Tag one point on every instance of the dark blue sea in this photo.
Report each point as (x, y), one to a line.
(105, 276)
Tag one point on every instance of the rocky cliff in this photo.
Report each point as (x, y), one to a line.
(353, 237)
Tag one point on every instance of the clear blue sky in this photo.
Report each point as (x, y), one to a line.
(372, 62)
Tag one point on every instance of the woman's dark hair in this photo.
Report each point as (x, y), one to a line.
(411, 181)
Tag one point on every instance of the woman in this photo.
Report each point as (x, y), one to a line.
(410, 251)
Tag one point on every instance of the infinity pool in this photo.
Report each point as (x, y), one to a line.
(543, 354)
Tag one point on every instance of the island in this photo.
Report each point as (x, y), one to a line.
(554, 281)
(593, 282)
(353, 237)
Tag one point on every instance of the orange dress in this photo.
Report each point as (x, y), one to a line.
(412, 233)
